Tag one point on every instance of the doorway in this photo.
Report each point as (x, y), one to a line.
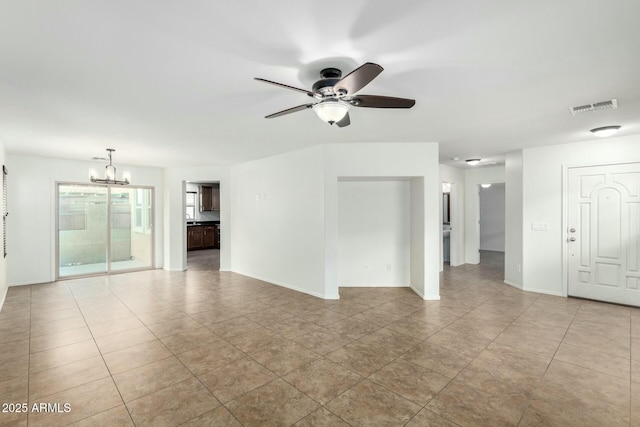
(448, 242)
(203, 227)
(103, 229)
(491, 224)
(603, 233)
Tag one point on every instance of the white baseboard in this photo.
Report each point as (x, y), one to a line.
(288, 286)
(420, 294)
(374, 285)
(3, 298)
(515, 285)
(545, 292)
(537, 291)
(30, 283)
(429, 297)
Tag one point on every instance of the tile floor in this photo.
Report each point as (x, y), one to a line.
(212, 348)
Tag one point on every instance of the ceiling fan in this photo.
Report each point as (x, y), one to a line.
(335, 94)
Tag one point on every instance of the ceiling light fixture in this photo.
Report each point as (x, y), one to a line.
(605, 131)
(109, 174)
(485, 185)
(331, 111)
(473, 162)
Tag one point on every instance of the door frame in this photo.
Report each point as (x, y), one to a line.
(479, 191)
(475, 241)
(183, 215)
(564, 233)
(108, 272)
(455, 259)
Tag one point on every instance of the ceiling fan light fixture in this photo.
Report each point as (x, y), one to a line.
(605, 131)
(472, 162)
(331, 111)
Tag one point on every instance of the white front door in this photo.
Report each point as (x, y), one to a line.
(603, 233)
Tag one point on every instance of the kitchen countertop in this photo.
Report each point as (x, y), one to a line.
(191, 223)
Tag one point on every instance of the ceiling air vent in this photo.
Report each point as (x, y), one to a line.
(603, 105)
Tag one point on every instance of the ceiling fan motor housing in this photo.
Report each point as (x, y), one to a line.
(330, 76)
(331, 73)
(324, 86)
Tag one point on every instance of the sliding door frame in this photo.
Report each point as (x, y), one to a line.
(108, 226)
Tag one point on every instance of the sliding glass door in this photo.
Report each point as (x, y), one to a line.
(131, 228)
(82, 230)
(104, 229)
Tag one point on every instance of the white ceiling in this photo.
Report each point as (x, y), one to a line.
(170, 83)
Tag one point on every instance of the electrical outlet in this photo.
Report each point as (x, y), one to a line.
(519, 268)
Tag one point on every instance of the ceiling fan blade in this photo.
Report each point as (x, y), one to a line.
(344, 122)
(376, 101)
(357, 79)
(284, 86)
(289, 111)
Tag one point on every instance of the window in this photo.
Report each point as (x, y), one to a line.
(4, 209)
(191, 204)
(142, 218)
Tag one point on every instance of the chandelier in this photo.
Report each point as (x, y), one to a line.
(109, 174)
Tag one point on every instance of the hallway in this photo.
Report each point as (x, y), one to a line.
(203, 346)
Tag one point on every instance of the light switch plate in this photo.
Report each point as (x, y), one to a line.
(539, 226)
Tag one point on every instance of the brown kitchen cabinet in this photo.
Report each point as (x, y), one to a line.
(209, 238)
(202, 237)
(209, 198)
(195, 237)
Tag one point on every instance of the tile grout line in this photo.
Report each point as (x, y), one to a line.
(102, 357)
(474, 358)
(29, 355)
(549, 364)
(172, 355)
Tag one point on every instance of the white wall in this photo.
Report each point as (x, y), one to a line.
(175, 245)
(513, 219)
(542, 203)
(456, 177)
(492, 221)
(31, 235)
(418, 242)
(278, 220)
(3, 261)
(285, 212)
(473, 178)
(374, 231)
(418, 161)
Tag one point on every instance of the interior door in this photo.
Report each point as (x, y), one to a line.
(603, 234)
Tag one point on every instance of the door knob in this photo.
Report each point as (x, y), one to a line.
(572, 239)
(572, 230)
